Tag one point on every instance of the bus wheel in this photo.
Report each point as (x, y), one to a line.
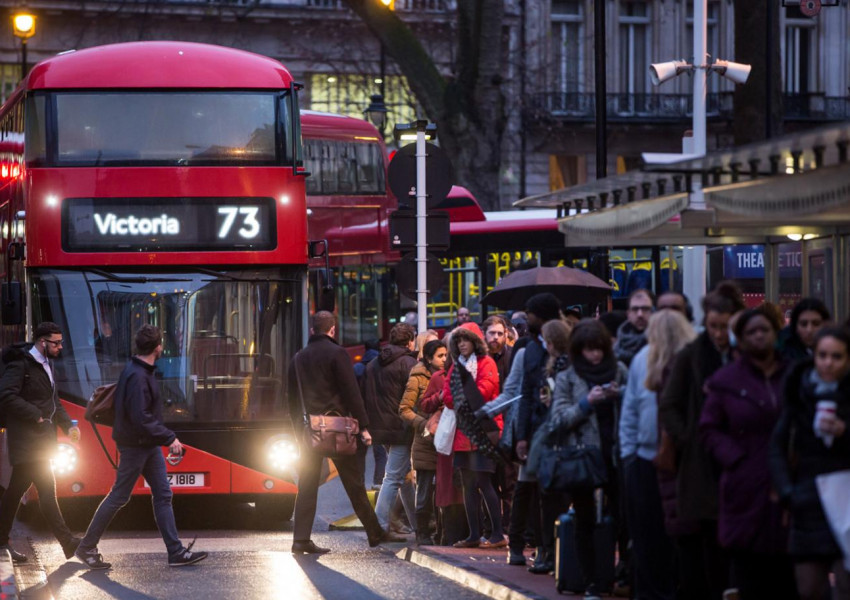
(275, 510)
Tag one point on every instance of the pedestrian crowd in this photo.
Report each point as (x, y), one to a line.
(636, 454)
(653, 458)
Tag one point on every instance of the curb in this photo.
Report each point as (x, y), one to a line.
(493, 587)
(8, 587)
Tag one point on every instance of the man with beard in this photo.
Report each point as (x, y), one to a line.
(495, 335)
(631, 335)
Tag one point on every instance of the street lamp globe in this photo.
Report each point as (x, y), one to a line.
(24, 25)
(376, 112)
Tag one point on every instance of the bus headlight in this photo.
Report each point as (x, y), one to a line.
(282, 453)
(65, 459)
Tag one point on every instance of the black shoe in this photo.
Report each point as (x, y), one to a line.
(425, 540)
(516, 558)
(385, 538)
(542, 567)
(17, 557)
(591, 593)
(70, 549)
(187, 557)
(308, 547)
(92, 559)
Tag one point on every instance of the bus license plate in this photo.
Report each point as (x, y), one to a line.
(177, 480)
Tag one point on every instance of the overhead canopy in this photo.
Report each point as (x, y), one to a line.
(797, 183)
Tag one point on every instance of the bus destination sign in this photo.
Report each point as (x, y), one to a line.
(167, 224)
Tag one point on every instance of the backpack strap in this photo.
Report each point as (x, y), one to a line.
(102, 445)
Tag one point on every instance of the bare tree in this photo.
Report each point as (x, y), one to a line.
(468, 105)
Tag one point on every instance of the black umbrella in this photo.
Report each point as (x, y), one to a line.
(570, 286)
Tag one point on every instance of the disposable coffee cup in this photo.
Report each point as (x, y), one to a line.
(826, 407)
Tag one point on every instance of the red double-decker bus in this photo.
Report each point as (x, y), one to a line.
(159, 182)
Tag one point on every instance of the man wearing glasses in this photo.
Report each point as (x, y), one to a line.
(631, 336)
(32, 411)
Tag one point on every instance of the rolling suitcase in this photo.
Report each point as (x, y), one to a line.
(568, 575)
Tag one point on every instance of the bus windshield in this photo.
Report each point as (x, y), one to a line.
(173, 128)
(227, 337)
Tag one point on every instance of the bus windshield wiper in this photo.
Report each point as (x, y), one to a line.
(140, 279)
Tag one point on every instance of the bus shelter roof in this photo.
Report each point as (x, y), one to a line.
(805, 190)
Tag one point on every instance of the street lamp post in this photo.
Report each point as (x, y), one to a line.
(24, 28)
(376, 112)
(694, 257)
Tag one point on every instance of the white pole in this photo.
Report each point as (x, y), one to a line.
(421, 242)
(694, 258)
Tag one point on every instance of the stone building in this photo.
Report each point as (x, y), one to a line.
(549, 74)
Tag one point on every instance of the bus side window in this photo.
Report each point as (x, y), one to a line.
(312, 162)
(346, 168)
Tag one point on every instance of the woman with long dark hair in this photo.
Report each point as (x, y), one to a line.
(472, 380)
(797, 340)
(423, 453)
(584, 410)
(811, 439)
(742, 407)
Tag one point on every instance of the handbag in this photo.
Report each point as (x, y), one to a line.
(330, 434)
(833, 489)
(444, 437)
(570, 467)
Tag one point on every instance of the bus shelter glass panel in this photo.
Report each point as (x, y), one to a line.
(461, 287)
(227, 337)
(820, 257)
(790, 258)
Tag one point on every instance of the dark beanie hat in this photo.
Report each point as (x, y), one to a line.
(546, 306)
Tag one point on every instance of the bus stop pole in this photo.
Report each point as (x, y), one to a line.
(421, 242)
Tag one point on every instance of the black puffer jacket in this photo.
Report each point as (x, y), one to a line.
(794, 441)
(26, 395)
(138, 408)
(386, 380)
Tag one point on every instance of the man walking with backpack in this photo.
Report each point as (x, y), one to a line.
(33, 411)
(139, 432)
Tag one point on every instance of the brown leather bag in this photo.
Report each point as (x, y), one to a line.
(331, 434)
(101, 406)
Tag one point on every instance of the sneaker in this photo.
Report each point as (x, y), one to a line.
(70, 549)
(92, 559)
(591, 593)
(186, 558)
(16, 556)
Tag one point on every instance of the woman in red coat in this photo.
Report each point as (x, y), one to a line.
(473, 365)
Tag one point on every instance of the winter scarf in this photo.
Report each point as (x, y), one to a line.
(467, 399)
(629, 341)
(604, 372)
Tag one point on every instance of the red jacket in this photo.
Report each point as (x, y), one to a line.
(487, 380)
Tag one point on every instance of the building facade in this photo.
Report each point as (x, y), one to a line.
(550, 139)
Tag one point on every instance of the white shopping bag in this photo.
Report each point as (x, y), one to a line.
(834, 488)
(444, 437)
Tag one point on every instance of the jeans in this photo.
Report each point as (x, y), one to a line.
(23, 475)
(149, 463)
(379, 452)
(398, 466)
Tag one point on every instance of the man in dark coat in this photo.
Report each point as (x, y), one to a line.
(139, 432)
(531, 413)
(386, 379)
(33, 411)
(321, 379)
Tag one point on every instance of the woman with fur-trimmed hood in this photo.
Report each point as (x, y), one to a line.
(471, 381)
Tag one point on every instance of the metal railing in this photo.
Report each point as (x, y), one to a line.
(649, 107)
(671, 107)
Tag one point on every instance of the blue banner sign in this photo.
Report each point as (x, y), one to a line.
(746, 261)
